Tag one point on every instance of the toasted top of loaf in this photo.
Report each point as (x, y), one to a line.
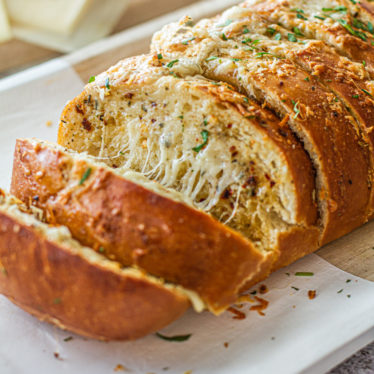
(343, 24)
(136, 222)
(52, 276)
(331, 136)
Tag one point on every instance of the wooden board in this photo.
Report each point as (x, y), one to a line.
(17, 55)
(353, 253)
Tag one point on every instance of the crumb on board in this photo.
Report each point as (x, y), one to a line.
(49, 123)
(245, 299)
(226, 344)
(188, 372)
(261, 306)
(263, 289)
(57, 356)
(237, 313)
(312, 294)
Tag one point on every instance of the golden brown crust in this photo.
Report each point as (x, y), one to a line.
(135, 225)
(60, 287)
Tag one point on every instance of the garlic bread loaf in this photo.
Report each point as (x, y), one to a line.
(50, 275)
(226, 49)
(230, 157)
(132, 220)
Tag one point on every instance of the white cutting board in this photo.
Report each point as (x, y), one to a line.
(296, 334)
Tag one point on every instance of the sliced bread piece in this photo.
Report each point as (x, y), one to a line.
(346, 25)
(329, 133)
(50, 275)
(135, 221)
(229, 156)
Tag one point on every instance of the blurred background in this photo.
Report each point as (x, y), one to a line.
(34, 31)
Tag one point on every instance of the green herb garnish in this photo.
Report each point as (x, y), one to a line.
(92, 79)
(349, 28)
(185, 42)
(270, 30)
(224, 37)
(319, 17)
(278, 36)
(335, 9)
(292, 38)
(297, 31)
(68, 339)
(212, 58)
(304, 274)
(205, 136)
(367, 92)
(107, 84)
(85, 176)
(57, 301)
(159, 56)
(177, 338)
(355, 96)
(300, 16)
(172, 63)
(246, 30)
(296, 109)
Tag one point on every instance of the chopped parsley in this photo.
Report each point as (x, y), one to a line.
(85, 176)
(224, 37)
(205, 136)
(353, 32)
(177, 338)
(319, 17)
(304, 274)
(68, 339)
(185, 42)
(278, 36)
(297, 31)
(367, 92)
(270, 30)
(296, 109)
(335, 9)
(92, 79)
(246, 30)
(292, 37)
(107, 84)
(355, 96)
(159, 56)
(172, 63)
(300, 16)
(307, 79)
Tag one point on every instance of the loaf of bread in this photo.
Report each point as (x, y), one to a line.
(235, 147)
(50, 275)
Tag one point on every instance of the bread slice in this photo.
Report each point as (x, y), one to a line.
(50, 275)
(249, 172)
(344, 24)
(329, 133)
(137, 222)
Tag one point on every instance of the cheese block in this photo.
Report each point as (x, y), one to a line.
(5, 32)
(94, 21)
(60, 16)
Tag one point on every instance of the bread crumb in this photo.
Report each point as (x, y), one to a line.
(226, 344)
(263, 304)
(57, 356)
(237, 313)
(48, 123)
(312, 294)
(188, 372)
(263, 289)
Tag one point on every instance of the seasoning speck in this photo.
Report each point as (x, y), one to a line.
(304, 274)
(68, 339)
(120, 367)
(237, 313)
(263, 289)
(226, 344)
(48, 123)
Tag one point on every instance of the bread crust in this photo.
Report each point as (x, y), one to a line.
(47, 280)
(136, 226)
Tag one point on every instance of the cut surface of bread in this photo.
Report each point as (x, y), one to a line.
(50, 275)
(135, 221)
(328, 131)
(230, 157)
